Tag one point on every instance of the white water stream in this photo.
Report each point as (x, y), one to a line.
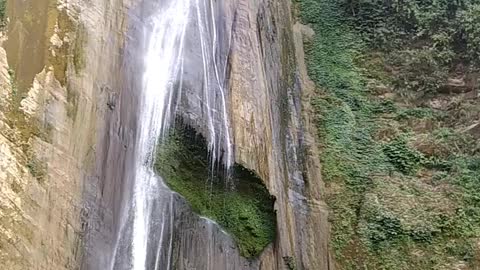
(146, 217)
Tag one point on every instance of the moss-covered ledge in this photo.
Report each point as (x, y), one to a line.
(246, 211)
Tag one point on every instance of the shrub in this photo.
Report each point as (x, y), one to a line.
(406, 159)
(383, 227)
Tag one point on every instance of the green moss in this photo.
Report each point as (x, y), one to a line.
(26, 126)
(3, 13)
(79, 60)
(24, 129)
(290, 262)
(37, 169)
(245, 211)
(72, 102)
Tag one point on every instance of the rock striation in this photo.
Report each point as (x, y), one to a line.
(67, 142)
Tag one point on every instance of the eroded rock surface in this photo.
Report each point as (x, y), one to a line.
(268, 91)
(62, 210)
(51, 107)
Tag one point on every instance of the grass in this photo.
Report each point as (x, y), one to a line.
(396, 201)
(246, 211)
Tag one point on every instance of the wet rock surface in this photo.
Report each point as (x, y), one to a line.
(91, 103)
(235, 198)
(268, 101)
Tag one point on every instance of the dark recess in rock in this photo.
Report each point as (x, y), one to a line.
(236, 199)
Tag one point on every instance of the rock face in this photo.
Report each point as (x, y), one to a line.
(64, 183)
(268, 102)
(270, 129)
(44, 145)
(57, 57)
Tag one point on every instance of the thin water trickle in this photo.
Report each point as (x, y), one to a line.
(144, 240)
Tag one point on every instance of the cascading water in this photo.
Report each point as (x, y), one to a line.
(144, 240)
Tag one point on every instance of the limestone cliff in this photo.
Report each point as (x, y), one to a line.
(268, 91)
(271, 130)
(56, 57)
(69, 72)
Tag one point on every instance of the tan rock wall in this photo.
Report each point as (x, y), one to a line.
(271, 128)
(63, 61)
(56, 55)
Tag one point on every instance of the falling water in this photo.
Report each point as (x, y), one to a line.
(144, 240)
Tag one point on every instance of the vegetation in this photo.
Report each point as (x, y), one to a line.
(246, 211)
(37, 169)
(3, 12)
(24, 129)
(402, 176)
(290, 262)
(404, 158)
(426, 41)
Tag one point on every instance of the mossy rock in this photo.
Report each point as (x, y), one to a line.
(236, 199)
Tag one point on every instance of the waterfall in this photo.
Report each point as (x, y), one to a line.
(144, 240)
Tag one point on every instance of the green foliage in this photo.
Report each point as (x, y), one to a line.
(456, 142)
(37, 169)
(290, 262)
(392, 23)
(423, 41)
(470, 23)
(383, 227)
(461, 248)
(406, 159)
(391, 200)
(13, 84)
(344, 117)
(245, 211)
(3, 10)
(415, 113)
(421, 70)
(382, 20)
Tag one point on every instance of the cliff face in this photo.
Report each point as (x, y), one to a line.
(269, 96)
(56, 57)
(68, 126)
